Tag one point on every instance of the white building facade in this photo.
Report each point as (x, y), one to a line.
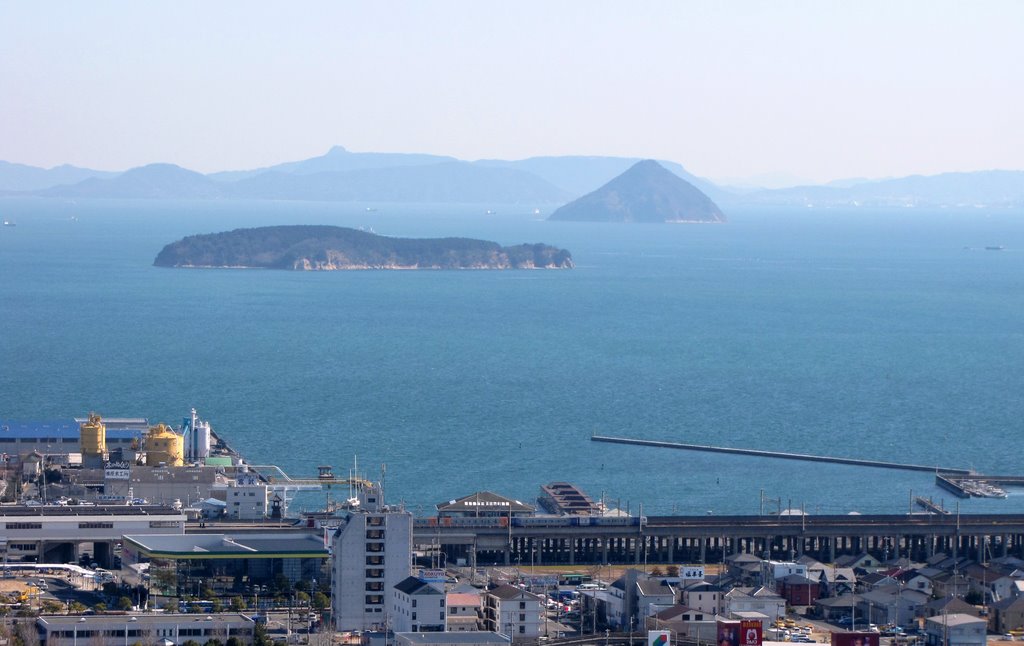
(372, 553)
(513, 612)
(417, 606)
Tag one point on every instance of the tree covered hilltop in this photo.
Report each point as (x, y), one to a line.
(328, 248)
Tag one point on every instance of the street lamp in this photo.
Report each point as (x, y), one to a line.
(126, 630)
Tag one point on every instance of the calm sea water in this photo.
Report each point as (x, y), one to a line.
(883, 335)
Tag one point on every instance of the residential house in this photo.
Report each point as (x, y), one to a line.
(514, 612)
(773, 571)
(955, 630)
(949, 605)
(834, 608)
(1006, 614)
(914, 580)
(834, 581)
(653, 594)
(761, 600)
(862, 561)
(702, 596)
(463, 611)
(875, 580)
(686, 623)
(745, 569)
(951, 584)
(417, 606)
(891, 605)
(798, 590)
(636, 595)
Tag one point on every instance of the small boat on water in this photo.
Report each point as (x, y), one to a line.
(995, 248)
(10, 223)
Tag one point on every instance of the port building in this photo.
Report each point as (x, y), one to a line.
(257, 557)
(54, 534)
(483, 504)
(63, 436)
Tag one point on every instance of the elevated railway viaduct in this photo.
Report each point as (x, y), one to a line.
(708, 539)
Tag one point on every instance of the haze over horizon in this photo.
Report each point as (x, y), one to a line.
(804, 90)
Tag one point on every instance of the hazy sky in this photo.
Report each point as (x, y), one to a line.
(817, 89)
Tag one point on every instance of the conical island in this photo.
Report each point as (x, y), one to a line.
(647, 192)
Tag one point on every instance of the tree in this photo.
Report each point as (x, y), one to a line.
(191, 642)
(172, 605)
(100, 607)
(260, 637)
(672, 570)
(216, 605)
(51, 607)
(656, 571)
(124, 603)
(234, 641)
(237, 604)
(27, 634)
(281, 583)
(301, 598)
(76, 607)
(165, 579)
(213, 642)
(320, 600)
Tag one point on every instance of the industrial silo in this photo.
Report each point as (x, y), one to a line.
(93, 441)
(165, 446)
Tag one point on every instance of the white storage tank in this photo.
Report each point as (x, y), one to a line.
(202, 439)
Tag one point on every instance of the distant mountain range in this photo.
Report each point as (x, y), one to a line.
(19, 177)
(994, 188)
(340, 175)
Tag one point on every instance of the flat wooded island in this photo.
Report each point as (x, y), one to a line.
(329, 248)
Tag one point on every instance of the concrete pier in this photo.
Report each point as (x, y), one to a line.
(781, 455)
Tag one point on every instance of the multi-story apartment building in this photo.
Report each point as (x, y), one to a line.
(514, 612)
(372, 554)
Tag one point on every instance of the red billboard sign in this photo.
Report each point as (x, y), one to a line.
(729, 633)
(751, 632)
(854, 639)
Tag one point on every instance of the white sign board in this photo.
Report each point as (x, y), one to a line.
(659, 638)
(691, 572)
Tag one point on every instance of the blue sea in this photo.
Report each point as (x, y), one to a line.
(889, 335)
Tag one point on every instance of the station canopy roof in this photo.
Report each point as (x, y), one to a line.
(484, 502)
(286, 544)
